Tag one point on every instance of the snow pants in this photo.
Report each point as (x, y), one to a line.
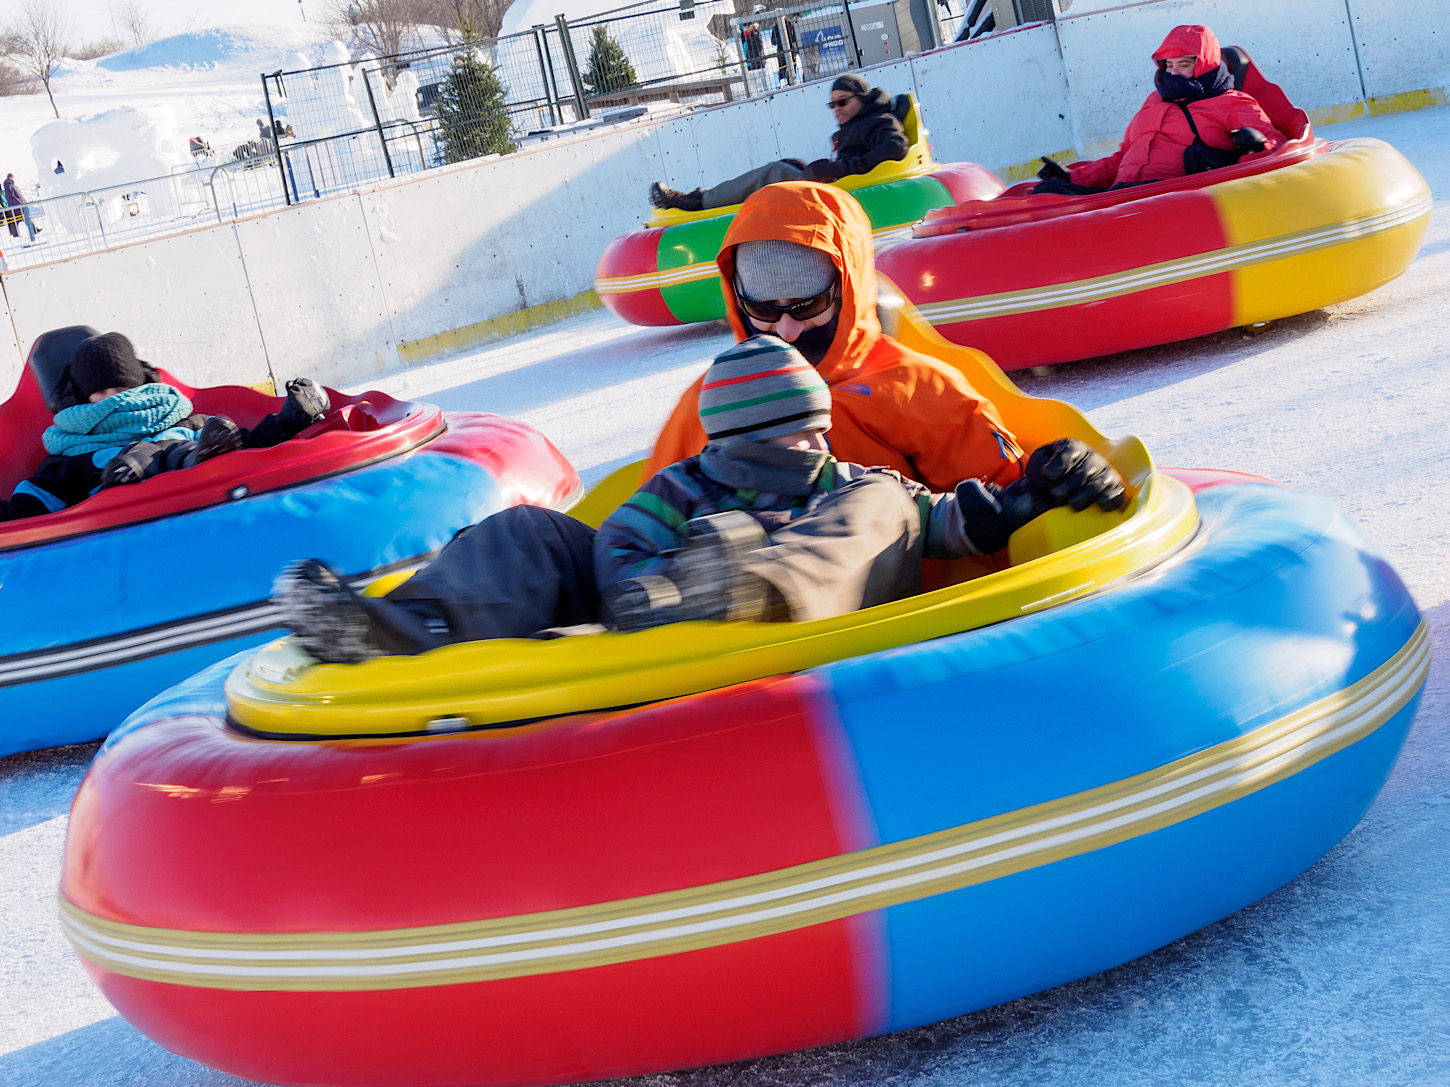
(527, 568)
(738, 188)
(520, 571)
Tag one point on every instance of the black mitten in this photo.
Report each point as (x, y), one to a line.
(1248, 140)
(1069, 472)
(1051, 169)
(824, 170)
(990, 514)
(306, 403)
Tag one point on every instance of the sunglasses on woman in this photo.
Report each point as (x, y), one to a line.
(802, 309)
(839, 103)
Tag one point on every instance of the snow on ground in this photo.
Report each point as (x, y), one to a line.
(1340, 978)
(210, 77)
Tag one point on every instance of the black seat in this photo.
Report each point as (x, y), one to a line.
(1237, 62)
(50, 357)
(901, 106)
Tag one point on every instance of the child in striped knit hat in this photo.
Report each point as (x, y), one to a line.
(763, 525)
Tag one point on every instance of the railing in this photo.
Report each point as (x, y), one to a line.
(87, 222)
(341, 127)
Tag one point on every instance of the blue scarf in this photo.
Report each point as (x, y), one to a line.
(126, 417)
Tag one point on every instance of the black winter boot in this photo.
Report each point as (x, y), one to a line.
(217, 435)
(131, 465)
(662, 196)
(338, 625)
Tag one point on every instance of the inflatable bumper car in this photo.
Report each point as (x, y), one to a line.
(665, 274)
(1036, 279)
(106, 603)
(544, 861)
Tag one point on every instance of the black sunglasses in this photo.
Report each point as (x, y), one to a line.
(837, 103)
(803, 309)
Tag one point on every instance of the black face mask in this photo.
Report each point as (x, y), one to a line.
(813, 343)
(1178, 88)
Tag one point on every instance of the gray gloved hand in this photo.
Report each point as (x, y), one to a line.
(1069, 472)
(306, 403)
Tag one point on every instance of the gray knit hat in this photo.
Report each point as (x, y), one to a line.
(762, 388)
(765, 271)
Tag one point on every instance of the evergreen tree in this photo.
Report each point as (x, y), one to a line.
(609, 66)
(473, 115)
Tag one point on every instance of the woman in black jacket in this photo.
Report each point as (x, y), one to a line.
(868, 135)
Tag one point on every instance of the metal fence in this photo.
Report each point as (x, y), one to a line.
(86, 222)
(340, 127)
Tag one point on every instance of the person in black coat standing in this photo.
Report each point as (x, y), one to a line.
(868, 135)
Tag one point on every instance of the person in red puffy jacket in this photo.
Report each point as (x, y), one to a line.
(1193, 121)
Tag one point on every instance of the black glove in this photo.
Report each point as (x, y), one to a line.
(1248, 140)
(824, 170)
(990, 514)
(1051, 169)
(1070, 472)
(306, 403)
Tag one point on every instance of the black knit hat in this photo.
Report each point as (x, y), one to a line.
(108, 361)
(851, 83)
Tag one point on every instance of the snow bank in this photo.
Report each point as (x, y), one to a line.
(256, 48)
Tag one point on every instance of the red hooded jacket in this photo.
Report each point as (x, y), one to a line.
(1158, 134)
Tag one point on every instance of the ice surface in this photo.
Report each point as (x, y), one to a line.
(1340, 978)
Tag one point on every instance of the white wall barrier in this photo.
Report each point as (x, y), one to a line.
(11, 359)
(354, 285)
(1404, 49)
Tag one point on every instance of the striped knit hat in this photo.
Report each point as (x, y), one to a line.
(762, 388)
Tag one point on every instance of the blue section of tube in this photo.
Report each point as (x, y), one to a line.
(152, 576)
(1279, 602)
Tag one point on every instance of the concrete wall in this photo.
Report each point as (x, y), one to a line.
(1305, 47)
(357, 284)
(1404, 46)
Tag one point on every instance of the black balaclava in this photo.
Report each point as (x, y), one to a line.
(813, 343)
(1180, 88)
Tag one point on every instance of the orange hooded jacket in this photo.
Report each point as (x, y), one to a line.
(889, 405)
(1158, 134)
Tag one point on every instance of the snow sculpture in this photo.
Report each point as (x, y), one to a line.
(116, 147)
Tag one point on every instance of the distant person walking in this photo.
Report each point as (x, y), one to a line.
(13, 199)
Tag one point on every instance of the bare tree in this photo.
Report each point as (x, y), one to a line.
(133, 22)
(13, 80)
(468, 20)
(383, 27)
(37, 41)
